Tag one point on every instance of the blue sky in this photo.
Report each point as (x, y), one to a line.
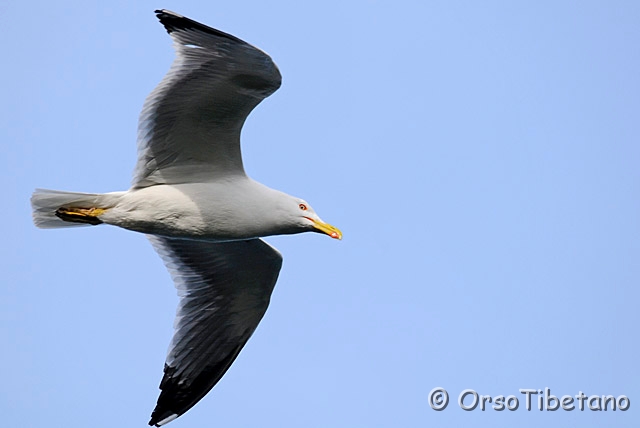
(481, 159)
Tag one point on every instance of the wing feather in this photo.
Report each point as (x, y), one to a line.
(224, 291)
(189, 128)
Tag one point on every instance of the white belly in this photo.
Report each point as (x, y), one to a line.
(209, 211)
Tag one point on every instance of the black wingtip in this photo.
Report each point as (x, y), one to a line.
(174, 21)
(170, 20)
(178, 396)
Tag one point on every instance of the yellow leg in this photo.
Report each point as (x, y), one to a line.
(80, 215)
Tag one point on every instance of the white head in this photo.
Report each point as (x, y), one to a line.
(314, 222)
(298, 216)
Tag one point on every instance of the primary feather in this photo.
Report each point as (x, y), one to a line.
(189, 128)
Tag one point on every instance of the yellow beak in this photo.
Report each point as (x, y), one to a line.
(323, 227)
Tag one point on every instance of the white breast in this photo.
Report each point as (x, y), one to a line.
(217, 211)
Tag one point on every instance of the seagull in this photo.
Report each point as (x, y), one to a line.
(202, 213)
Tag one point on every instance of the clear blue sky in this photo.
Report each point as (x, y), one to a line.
(481, 158)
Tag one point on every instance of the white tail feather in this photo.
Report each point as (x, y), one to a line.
(45, 203)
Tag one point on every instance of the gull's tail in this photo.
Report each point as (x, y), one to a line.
(53, 208)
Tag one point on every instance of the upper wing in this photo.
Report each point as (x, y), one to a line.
(224, 291)
(190, 124)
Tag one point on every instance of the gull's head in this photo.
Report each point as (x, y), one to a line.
(307, 218)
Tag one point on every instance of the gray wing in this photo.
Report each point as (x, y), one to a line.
(189, 129)
(224, 291)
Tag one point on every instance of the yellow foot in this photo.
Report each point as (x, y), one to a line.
(80, 215)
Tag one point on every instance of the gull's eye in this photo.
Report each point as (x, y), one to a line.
(303, 207)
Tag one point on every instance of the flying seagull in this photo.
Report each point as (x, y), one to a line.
(202, 213)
